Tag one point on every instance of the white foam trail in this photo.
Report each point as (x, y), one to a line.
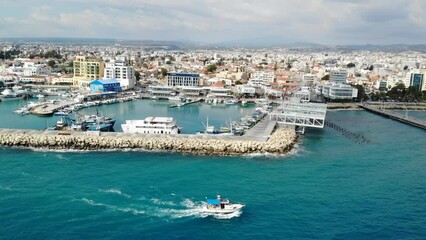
(159, 202)
(112, 207)
(115, 191)
(6, 188)
(227, 216)
(192, 209)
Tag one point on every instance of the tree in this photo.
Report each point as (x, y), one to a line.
(371, 68)
(137, 75)
(211, 68)
(397, 92)
(51, 63)
(361, 93)
(164, 72)
(405, 68)
(350, 65)
(288, 66)
(238, 82)
(357, 74)
(326, 77)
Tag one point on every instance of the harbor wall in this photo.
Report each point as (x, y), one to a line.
(281, 141)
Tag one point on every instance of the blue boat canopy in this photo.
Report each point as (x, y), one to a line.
(213, 201)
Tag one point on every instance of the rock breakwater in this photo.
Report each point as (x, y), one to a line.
(280, 142)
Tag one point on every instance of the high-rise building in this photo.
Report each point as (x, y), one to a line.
(416, 80)
(87, 69)
(338, 76)
(122, 72)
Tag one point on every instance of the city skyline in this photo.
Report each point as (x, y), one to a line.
(328, 22)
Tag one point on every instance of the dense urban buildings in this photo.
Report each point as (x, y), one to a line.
(277, 73)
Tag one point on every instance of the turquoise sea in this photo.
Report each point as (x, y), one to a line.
(329, 187)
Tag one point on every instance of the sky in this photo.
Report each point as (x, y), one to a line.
(330, 22)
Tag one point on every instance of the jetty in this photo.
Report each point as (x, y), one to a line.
(49, 108)
(280, 141)
(185, 103)
(398, 117)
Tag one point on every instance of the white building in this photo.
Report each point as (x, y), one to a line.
(337, 91)
(339, 76)
(183, 79)
(261, 78)
(308, 79)
(32, 68)
(246, 90)
(122, 72)
(63, 80)
(160, 91)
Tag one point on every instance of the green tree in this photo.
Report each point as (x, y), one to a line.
(371, 68)
(326, 77)
(397, 92)
(405, 68)
(164, 72)
(211, 68)
(137, 75)
(51, 63)
(361, 93)
(238, 82)
(350, 65)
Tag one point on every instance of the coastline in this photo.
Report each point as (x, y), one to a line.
(281, 141)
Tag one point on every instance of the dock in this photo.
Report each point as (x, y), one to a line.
(185, 103)
(48, 109)
(261, 131)
(388, 114)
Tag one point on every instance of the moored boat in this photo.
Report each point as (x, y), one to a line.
(151, 125)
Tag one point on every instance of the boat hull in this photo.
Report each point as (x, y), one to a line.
(230, 208)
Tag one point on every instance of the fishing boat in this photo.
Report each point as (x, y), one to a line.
(221, 206)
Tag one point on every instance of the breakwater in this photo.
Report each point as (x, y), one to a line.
(281, 141)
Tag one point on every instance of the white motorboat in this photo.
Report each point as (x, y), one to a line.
(221, 206)
(8, 95)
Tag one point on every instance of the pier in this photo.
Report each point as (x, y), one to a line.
(261, 131)
(388, 114)
(280, 141)
(185, 103)
(48, 109)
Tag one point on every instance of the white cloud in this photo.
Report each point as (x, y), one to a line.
(324, 21)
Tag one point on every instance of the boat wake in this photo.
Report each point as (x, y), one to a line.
(166, 210)
(112, 207)
(115, 191)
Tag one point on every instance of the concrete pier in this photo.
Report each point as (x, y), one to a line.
(394, 116)
(280, 141)
(49, 108)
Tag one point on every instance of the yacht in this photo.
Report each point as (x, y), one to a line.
(9, 95)
(151, 125)
(221, 206)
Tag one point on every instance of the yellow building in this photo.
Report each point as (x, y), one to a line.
(87, 69)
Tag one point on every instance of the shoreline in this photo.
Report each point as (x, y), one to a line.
(281, 141)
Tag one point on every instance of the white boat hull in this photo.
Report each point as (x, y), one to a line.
(229, 208)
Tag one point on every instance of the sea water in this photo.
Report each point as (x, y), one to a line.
(330, 187)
